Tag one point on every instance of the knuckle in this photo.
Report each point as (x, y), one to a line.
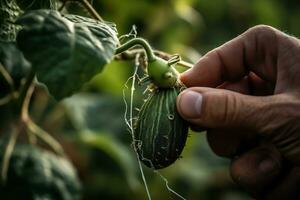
(263, 29)
(262, 33)
(230, 108)
(223, 108)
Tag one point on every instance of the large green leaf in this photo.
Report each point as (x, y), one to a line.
(99, 121)
(98, 113)
(117, 151)
(65, 52)
(13, 60)
(14, 64)
(38, 174)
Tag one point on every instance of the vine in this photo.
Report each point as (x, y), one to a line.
(160, 68)
(129, 122)
(85, 4)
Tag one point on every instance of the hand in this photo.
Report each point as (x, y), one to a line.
(246, 94)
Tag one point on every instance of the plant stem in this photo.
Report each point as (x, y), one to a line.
(138, 41)
(25, 104)
(44, 136)
(10, 82)
(129, 122)
(185, 64)
(24, 91)
(130, 55)
(7, 78)
(91, 10)
(7, 154)
(87, 6)
(62, 6)
(36, 131)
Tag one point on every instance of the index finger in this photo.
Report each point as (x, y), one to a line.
(255, 50)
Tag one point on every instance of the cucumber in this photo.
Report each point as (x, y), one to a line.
(160, 132)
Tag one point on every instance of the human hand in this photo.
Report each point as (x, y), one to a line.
(246, 94)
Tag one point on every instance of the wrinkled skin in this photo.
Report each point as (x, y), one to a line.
(246, 94)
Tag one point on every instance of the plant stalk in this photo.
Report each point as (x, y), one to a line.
(24, 91)
(138, 41)
(86, 5)
(130, 55)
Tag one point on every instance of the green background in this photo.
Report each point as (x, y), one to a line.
(91, 125)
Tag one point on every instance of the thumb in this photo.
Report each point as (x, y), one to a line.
(218, 108)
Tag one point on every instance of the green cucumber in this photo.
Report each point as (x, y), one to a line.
(160, 132)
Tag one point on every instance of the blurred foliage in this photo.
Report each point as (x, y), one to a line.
(91, 125)
(38, 174)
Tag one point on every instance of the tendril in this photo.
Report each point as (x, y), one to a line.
(129, 122)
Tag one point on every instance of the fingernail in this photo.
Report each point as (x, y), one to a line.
(190, 103)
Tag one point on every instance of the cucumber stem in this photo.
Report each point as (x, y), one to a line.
(138, 41)
(129, 55)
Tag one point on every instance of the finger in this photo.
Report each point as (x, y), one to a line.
(241, 86)
(257, 169)
(255, 50)
(288, 188)
(229, 143)
(223, 143)
(251, 84)
(217, 108)
(223, 109)
(258, 86)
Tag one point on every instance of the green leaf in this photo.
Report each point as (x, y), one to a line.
(99, 113)
(14, 64)
(13, 60)
(34, 173)
(65, 52)
(99, 121)
(116, 150)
